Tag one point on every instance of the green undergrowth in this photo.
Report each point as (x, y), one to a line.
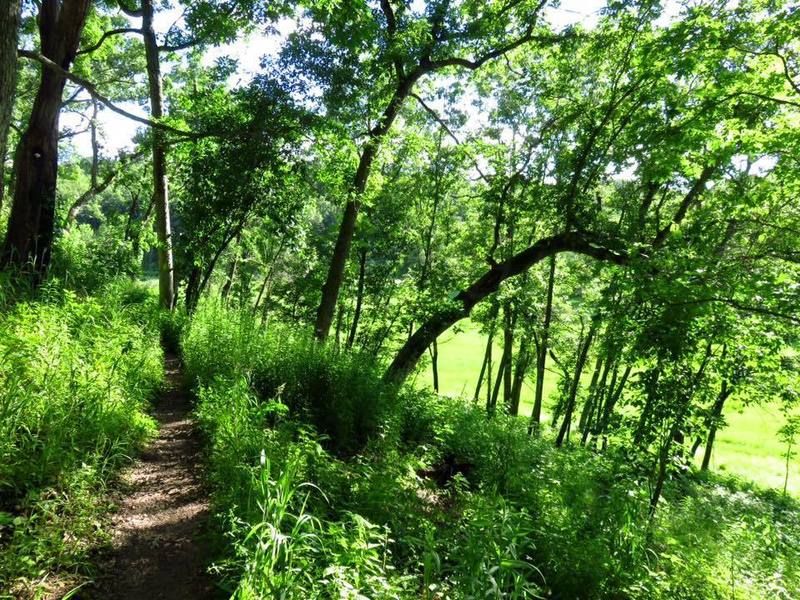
(328, 483)
(76, 376)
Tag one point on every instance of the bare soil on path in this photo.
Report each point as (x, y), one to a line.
(158, 550)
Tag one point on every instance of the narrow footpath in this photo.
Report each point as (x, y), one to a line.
(158, 532)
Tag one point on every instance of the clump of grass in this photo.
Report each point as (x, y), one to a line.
(341, 394)
(77, 376)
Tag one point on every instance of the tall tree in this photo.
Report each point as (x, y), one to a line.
(31, 224)
(166, 263)
(402, 57)
(9, 25)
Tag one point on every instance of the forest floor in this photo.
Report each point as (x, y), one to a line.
(158, 549)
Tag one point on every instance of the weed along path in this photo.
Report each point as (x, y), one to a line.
(158, 550)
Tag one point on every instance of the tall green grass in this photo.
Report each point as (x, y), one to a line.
(76, 376)
(425, 497)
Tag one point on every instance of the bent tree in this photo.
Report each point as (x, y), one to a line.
(678, 133)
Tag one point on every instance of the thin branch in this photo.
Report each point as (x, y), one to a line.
(688, 200)
(433, 114)
(100, 187)
(473, 65)
(182, 46)
(92, 90)
(131, 12)
(107, 35)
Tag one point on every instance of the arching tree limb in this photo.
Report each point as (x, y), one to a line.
(461, 305)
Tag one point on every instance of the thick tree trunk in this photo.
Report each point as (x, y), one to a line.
(166, 265)
(9, 25)
(32, 221)
(541, 353)
(571, 241)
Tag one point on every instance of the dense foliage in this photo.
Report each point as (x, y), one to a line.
(440, 502)
(78, 373)
(607, 205)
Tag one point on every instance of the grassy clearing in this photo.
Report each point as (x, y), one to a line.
(748, 447)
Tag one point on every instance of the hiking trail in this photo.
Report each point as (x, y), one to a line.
(158, 551)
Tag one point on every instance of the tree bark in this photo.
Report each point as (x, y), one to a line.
(31, 224)
(716, 413)
(487, 359)
(347, 228)
(541, 350)
(508, 352)
(166, 265)
(576, 379)
(362, 271)
(434, 350)
(461, 306)
(9, 25)
(589, 405)
(491, 404)
(229, 277)
(523, 362)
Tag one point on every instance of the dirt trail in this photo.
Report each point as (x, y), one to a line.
(158, 550)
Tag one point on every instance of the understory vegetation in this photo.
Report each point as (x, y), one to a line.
(77, 375)
(307, 199)
(437, 501)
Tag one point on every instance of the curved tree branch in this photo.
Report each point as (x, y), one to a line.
(92, 90)
(462, 304)
(105, 36)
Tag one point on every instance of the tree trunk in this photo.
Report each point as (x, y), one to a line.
(508, 352)
(347, 228)
(716, 413)
(434, 350)
(487, 359)
(231, 274)
(573, 391)
(523, 362)
(166, 265)
(31, 224)
(590, 404)
(611, 402)
(9, 25)
(362, 268)
(663, 457)
(491, 405)
(541, 354)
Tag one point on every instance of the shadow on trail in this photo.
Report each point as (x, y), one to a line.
(159, 551)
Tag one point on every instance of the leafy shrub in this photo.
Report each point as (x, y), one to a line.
(341, 394)
(439, 501)
(84, 259)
